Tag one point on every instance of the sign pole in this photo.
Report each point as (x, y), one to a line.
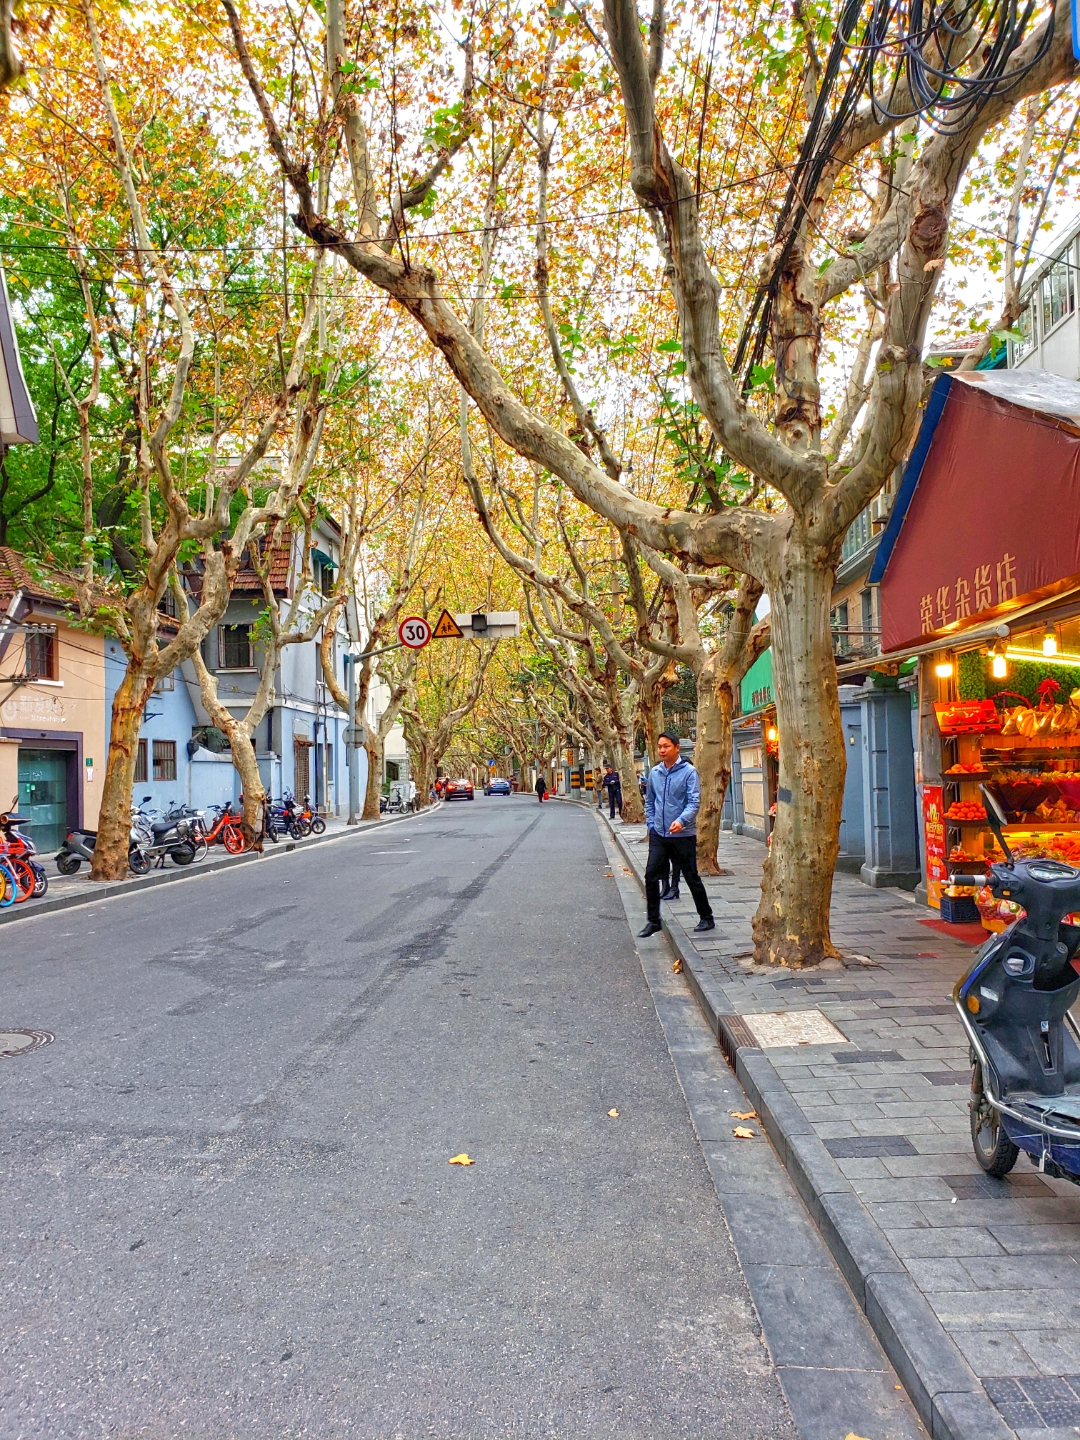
(354, 759)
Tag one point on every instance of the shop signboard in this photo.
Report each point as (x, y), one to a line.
(756, 690)
(935, 844)
(969, 539)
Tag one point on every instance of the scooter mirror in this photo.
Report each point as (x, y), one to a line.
(997, 818)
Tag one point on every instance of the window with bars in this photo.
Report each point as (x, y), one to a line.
(234, 647)
(141, 772)
(164, 759)
(41, 655)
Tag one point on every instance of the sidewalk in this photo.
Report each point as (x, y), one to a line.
(971, 1284)
(79, 889)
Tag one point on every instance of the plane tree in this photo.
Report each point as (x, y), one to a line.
(761, 399)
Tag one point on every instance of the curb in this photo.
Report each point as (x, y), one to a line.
(110, 890)
(944, 1389)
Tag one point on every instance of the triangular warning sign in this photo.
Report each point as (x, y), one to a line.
(446, 628)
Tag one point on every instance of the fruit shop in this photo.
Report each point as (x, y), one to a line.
(988, 599)
(1010, 722)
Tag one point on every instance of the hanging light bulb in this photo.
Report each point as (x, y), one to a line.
(1049, 642)
(943, 669)
(770, 734)
(998, 667)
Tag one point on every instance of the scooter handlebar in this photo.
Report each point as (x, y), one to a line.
(977, 880)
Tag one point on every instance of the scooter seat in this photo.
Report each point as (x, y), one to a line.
(162, 827)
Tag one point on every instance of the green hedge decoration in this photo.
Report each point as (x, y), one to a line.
(974, 681)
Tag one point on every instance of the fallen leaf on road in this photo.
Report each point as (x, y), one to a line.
(461, 1160)
(744, 1114)
(743, 1132)
(851, 1433)
(677, 967)
(614, 1114)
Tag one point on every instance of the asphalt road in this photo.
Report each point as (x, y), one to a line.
(227, 1209)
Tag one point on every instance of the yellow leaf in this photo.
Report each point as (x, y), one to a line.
(614, 1114)
(744, 1114)
(462, 1159)
(851, 1433)
(742, 1132)
(677, 967)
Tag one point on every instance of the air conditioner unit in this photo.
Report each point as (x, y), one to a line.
(881, 505)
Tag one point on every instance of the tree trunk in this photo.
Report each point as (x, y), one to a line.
(792, 922)
(251, 784)
(114, 821)
(712, 757)
(374, 747)
(633, 807)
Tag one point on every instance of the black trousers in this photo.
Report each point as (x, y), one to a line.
(614, 795)
(665, 851)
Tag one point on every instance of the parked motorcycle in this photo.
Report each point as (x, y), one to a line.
(158, 837)
(79, 846)
(1014, 1004)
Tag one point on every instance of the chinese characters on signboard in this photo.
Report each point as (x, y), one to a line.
(989, 585)
(936, 845)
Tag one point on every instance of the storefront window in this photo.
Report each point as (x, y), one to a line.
(1058, 295)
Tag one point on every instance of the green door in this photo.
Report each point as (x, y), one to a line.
(43, 795)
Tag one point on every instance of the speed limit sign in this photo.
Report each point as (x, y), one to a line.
(414, 631)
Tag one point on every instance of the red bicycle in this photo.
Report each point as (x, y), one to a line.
(227, 830)
(17, 850)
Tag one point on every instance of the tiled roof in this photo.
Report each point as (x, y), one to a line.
(16, 575)
(280, 561)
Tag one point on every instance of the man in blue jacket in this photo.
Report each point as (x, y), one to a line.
(672, 801)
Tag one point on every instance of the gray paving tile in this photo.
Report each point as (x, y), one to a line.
(1054, 1351)
(855, 1402)
(995, 1352)
(942, 1273)
(912, 1244)
(996, 1309)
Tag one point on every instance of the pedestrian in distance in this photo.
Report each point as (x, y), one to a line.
(613, 785)
(540, 787)
(672, 801)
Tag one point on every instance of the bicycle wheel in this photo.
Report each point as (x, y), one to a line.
(318, 825)
(8, 887)
(25, 879)
(233, 839)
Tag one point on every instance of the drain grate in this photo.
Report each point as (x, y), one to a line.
(21, 1042)
(734, 1035)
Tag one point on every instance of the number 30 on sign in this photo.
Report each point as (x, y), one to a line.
(414, 631)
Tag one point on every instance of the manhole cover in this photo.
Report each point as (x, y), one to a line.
(793, 1027)
(21, 1042)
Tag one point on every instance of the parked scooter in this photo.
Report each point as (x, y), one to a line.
(79, 846)
(1014, 1005)
(157, 837)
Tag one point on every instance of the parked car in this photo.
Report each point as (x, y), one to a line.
(497, 786)
(458, 790)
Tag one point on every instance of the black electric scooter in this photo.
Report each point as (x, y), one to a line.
(1014, 1005)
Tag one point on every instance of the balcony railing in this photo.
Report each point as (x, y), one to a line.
(855, 644)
